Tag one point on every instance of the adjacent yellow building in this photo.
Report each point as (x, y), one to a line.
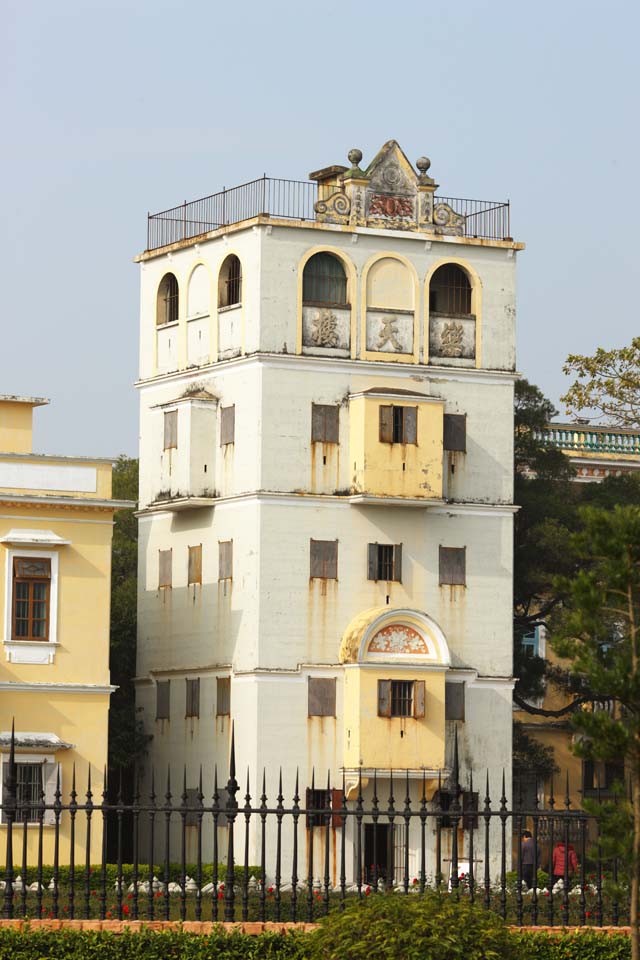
(56, 521)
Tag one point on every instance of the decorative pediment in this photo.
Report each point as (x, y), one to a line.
(388, 194)
(398, 638)
(385, 635)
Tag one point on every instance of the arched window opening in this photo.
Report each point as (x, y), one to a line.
(450, 291)
(230, 282)
(324, 281)
(168, 300)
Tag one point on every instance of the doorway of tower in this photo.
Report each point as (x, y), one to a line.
(378, 853)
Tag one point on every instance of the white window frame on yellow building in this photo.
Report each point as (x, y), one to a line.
(31, 651)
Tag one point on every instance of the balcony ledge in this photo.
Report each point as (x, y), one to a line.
(178, 504)
(369, 500)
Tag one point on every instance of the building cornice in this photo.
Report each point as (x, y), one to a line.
(74, 503)
(323, 227)
(419, 372)
(43, 686)
(302, 499)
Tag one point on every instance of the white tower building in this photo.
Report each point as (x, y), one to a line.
(326, 476)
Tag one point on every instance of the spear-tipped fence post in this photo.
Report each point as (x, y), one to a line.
(231, 812)
(9, 805)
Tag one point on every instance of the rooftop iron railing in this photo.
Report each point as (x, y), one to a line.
(591, 439)
(292, 200)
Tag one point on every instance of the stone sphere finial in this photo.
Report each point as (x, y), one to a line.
(423, 164)
(355, 156)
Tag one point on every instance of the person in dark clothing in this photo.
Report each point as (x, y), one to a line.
(527, 858)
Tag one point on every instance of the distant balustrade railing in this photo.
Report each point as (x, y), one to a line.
(591, 439)
(293, 200)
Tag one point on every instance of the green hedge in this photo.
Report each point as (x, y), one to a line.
(573, 946)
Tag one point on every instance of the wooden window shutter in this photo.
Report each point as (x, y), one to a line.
(163, 699)
(317, 422)
(195, 564)
(171, 429)
(336, 806)
(324, 559)
(384, 698)
(164, 568)
(454, 701)
(227, 425)
(455, 432)
(453, 566)
(332, 424)
(49, 784)
(193, 697)
(225, 559)
(397, 562)
(410, 425)
(223, 696)
(418, 699)
(386, 424)
(325, 420)
(372, 562)
(322, 697)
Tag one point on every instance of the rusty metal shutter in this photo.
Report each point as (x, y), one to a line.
(455, 432)
(322, 697)
(454, 701)
(163, 699)
(164, 568)
(386, 424)
(195, 565)
(410, 425)
(223, 696)
(192, 708)
(372, 562)
(171, 430)
(336, 806)
(397, 562)
(384, 698)
(225, 559)
(325, 423)
(418, 699)
(324, 559)
(227, 425)
(453, 566)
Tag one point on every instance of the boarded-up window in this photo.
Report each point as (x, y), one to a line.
(225, 559)
(193, 697)
(223, 696)
(322, 697)
(324, 559)
(453, 565)
(171, 430)
(398, 424)
(195, 564)
(455, 432)
(454, 701)
(384, 561)
(163, 688)
(164, 568)
(324, 423)
(227, 425)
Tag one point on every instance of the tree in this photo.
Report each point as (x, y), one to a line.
(547, 500)
(126, 739)
(607, 383)
(598, 631)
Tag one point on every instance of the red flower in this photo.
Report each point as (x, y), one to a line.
(108, 914)
(125, 909)
(367, 891)
(221, 895)
(94, 893)
(129, 896)
(588, 913)
(269, 889)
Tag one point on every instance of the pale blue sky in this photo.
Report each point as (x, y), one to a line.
(114, 108)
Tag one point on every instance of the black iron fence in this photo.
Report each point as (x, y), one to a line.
(293, 200)
(312, 855)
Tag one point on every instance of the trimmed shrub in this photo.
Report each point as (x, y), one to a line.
(573, 946)
(392, 927)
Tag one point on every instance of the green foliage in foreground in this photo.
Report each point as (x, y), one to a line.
(391, 927)
(126, 870)
(435, 927)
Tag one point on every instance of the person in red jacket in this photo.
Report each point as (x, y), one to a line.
(563, 858)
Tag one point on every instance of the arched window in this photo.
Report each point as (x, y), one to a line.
(167, 301)
(230, 282)
(450, 291)
(324, 281)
